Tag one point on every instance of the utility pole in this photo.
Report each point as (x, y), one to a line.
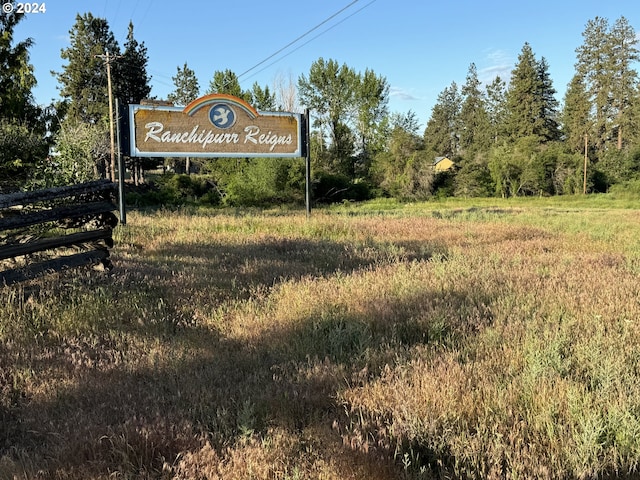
(586, 148)
(108, 59)
(307, 161)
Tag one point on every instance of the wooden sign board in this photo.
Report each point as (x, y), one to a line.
(215, 125)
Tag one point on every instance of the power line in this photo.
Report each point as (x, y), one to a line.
(297, 39)
(312, 39)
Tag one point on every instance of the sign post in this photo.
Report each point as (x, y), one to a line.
(219, 125)
(307, 161)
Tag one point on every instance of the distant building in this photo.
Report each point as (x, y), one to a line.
(442, 164)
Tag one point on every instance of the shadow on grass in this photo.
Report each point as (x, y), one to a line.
(141, 393)
(236, 271)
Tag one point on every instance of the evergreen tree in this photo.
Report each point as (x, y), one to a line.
(634, 123)
(84, 78)
(186, 90)
(625, 79)
(186, 86)
(473, 120)
(262, 98)
(227, 82)
(549, 108)
(531, 105)
(131, 85)
(522, 96)
(576, 114)
(130, 78)
(605, 62)
(441, 136)
(594, 65)
(16, 75)
(496, 101)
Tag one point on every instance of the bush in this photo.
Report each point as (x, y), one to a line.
(20, 153)
(630, 188)
(335, 188)
(175, 189)
(266, 181)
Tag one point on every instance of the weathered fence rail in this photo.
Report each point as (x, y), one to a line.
(54, 229)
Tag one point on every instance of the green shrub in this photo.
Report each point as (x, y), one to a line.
(335, 188)
(175, 189)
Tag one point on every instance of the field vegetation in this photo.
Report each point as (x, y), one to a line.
(493, 339)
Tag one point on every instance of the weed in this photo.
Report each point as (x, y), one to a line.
(438, 340)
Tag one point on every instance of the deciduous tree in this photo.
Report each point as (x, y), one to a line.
(329, 91)
(22, 127)
(371, 100)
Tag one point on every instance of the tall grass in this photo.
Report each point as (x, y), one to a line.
(374, 341)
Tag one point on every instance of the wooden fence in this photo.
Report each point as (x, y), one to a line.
(55, 229)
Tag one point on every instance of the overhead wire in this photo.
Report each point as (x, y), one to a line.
(297, 39)
(293, 42)
(311, 39)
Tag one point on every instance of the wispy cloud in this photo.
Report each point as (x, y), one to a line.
(496, 63)
(402, 94)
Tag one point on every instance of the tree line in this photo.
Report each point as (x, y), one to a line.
(505, 138)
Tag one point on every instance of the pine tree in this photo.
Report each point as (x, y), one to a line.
(473, 118)
(605, 62)
(496, 108)
(16, 75)
(441, 136)
(532, 109)
(576, 114)
(262, 98)
(594, 65)
(84, 78)
(131, 81)
(625, 79)
(186, 86)
(228, 82)
(549, 107)
(523, 104)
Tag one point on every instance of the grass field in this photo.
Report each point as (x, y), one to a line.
(485, 339)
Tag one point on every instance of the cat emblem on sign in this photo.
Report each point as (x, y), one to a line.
(222, 116)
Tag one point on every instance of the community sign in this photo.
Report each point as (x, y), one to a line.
(215, 125)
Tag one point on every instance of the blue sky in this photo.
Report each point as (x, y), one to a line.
(419, 46)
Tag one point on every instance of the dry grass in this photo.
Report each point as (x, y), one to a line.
(448, 343)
